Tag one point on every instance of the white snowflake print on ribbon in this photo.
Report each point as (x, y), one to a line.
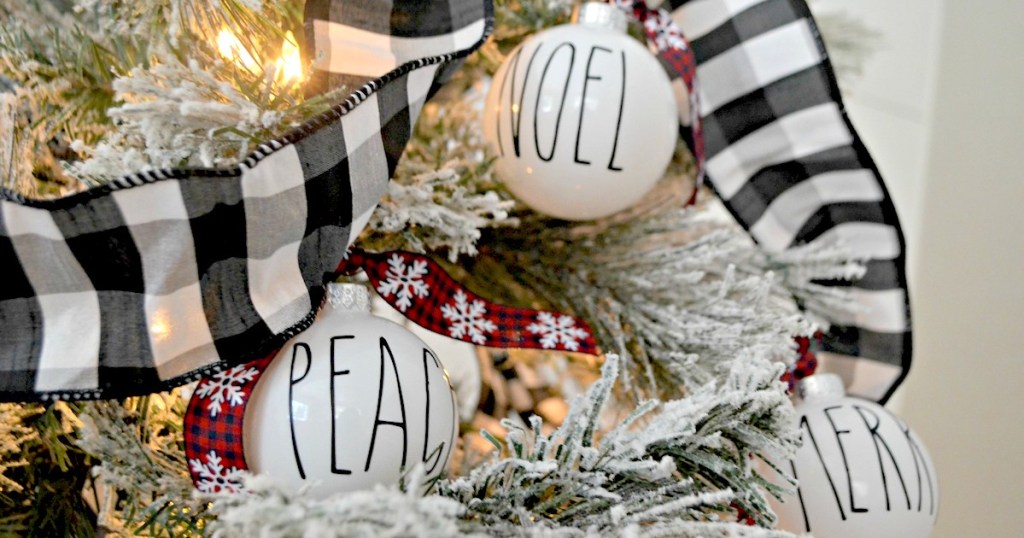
(467, 319)
(213, 477)
(404, 281)
(666, 37)
(225, 387)
(554, 330)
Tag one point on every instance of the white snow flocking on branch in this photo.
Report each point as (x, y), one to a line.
(575, 481)
(174, 114)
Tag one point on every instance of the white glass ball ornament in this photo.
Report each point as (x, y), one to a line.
(582, 118)
(862, 472)
(353, 401)
(461, 362)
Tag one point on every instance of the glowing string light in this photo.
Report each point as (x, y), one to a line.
(287, 68)
(232, 49)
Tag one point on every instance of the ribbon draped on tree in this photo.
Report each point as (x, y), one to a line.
(414, 285)
(782, 154)
(150, 281)
(676, 55)
(162, 276)
(422, 291)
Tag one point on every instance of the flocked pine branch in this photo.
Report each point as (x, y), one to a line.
(443, 193)
(266, 510)
(59, 76)
(14, 435)
(679, 468)
(41, 472)
(677, 296)
(142, 482)
(691, 306)
(102, 86)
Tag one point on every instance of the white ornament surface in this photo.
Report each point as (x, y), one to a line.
(862, 473)
(583, 121)
(459, 358)
(350, 403)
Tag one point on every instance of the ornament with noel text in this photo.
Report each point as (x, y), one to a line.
(862, 472)
(582, 118)
(353, 401)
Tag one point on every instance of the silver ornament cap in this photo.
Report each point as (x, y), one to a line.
(601, 15)
(348, 297)
(821, 386)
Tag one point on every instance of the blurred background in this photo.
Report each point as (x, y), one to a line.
(940, 106)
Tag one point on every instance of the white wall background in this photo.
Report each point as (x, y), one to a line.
(941, 107)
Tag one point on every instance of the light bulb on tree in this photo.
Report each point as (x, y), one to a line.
(287, 69)
(231, 48)
(289, 66)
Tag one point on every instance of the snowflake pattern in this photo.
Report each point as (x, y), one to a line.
(554, 330)
(225, 387)
(404, 281)
(665, 35)
(213, 477)
(467, 319)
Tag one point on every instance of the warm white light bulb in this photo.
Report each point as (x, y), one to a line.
(232, 49)
(289, 67)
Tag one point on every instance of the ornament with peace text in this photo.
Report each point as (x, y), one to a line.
(862, 472)
(582, 118)
(352, 402)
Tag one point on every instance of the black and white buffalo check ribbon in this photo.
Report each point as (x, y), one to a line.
(161, 276)
(784, 157)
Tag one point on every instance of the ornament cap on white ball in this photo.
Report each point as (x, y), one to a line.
(352, 402)
(349, 297)
(602, 15)
(862, 472)
(821, 386)
(582, 118)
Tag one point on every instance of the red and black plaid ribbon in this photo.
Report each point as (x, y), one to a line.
(806, 361)
(213, 426)
(417, 287)
(422, 291)
(664, 36)
(426, 294)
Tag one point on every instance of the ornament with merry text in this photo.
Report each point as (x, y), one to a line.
(349, 403)
(582, 118)
(862, 472)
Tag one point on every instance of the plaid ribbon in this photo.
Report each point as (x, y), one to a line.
(163, 275)
(782, 154)
(671, 46)
(427, 295)
(806, 361)
(422, 291)
(417, 287)
(213, 427)
(151, 281)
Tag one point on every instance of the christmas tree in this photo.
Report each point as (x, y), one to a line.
(663, 424)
